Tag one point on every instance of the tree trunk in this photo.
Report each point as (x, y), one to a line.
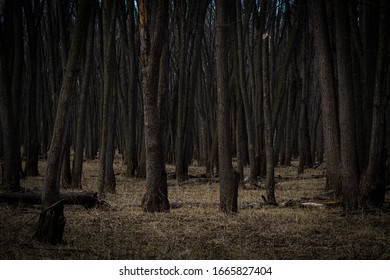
(155, 198)
(328, 102)
(372, 183)
(17, 78)
(269, 150)
(348, 151)
(132, 161)
(10, 170)
(228, 186)
(259, 123)
(244, 95)
(32, 143)
(182, 94)
(190, 27)
(107, 182)
(77, 168)
(305, 155)
(8, 68)
(51, 223)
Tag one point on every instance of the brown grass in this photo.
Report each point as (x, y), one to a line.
(194, 229)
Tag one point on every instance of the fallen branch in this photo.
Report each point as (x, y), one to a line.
(87, 199)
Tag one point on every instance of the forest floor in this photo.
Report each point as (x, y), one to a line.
(194, 229)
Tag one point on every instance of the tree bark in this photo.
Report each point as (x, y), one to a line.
(268, 130)
(348, 150)
(132, 161)
(372, 183)
(32, 143)
(244, 95)
(107, 181)
(259, 123)
(191, 22)
(305, 155)
(51, 223)
(228, 186)
(155, 198)
(328, 102)
(8, 56)
(17, 78)
(77, 168)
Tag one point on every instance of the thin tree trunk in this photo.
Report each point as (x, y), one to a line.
(305, 155)
(32, 143)
(260, 151)
(109, 19)
(269, 151)
(17, 77)
(245, 100)
(132, 161)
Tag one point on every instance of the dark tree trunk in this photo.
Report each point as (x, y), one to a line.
(269, 150)
(17, 77)
(10, 170)
(32, 143)
(132, 160)
(228, 186)
(191, 21)
(373, 177)
(250, 129)
(328, 101)
(305, 155)
(348, 151)
(305, 151)
(51, 223)
(107, 181)
(10, 67)
(155, 198)
(260, 150)
(162, 102)
(81, 111)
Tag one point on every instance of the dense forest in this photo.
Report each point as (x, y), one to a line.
(235, 87)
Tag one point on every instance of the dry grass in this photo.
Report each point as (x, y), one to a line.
(194, 229)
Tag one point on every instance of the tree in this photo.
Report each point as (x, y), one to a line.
(128, 75)
(260, 22)
(348, 149)
(153, 22)
(372, 185)
(107, 176)
(51, 223)
(10, 52)
(328, 96)
(190, 25)
(305, 156)
(17, 77)
(244, 95)
(268, 130)
(227, 181)
(33, 14)
(81, 112)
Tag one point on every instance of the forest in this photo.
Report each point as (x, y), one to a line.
(179, 129)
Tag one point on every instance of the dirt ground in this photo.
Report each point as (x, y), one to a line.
(194, 229)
